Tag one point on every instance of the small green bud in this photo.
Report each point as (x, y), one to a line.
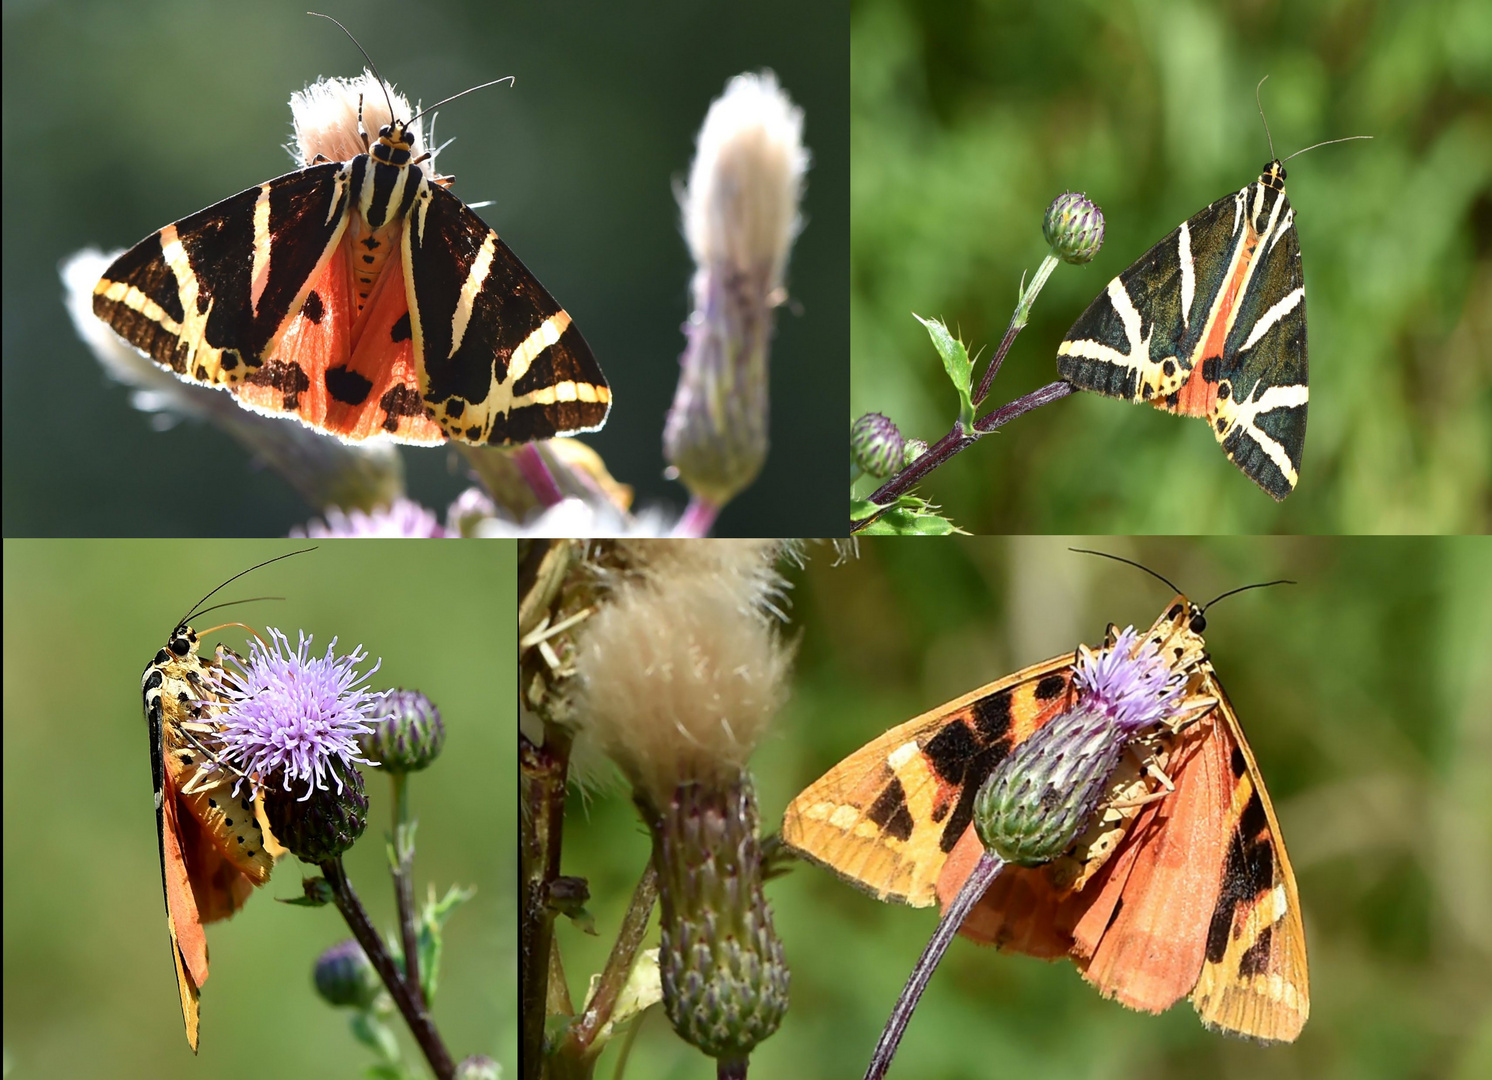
(478, 1067)
(1073, 227)
(1033, 805)
(345, 978)
(325, 825)
(876, 445)
(407, 732)
(913, 450)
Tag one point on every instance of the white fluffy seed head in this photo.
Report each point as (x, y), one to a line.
(325, 116)
(741, 204)
(679, 673)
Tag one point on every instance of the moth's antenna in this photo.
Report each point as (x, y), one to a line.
(381, 84)
(193, 611)
(1328, 142)
(1267, 135)
(1246, 588)
(233, 603)
(1120, 558)
(453, 97)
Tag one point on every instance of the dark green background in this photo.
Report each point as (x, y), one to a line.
(89, 989)
(123, 118)
(1363, 690)
(968, 118)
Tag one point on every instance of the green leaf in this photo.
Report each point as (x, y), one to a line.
(432, 920)
(317, 893)
(958, 365)
(907, 516)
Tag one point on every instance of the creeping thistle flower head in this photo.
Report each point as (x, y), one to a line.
(741, 214)
(345, 978)
(1037, 801)
(407, 734)
(678, 674)
(876, 445)
(325, 116)
(292, 723)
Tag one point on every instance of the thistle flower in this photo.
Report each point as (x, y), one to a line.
(407, 732)
(1073, 227)
(325, 117)
(401, 518)
(740, 217)
(345, 978)
(677, 676)
(876, 445)
(1038, 799)
(293, 719)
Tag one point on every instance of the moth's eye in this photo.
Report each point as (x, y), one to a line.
(1198, 623)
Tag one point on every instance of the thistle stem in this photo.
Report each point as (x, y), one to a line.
(985, 871)
(699, 518)
(1017, 323)
(404, 884)
(415, 1013)
(629, 939)
(542, 778)
(536, 473)
(957, 440)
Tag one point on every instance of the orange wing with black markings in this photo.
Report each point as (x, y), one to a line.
(1177, 892)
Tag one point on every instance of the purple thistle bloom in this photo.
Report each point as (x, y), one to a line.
(1133, 688)
(292, 713)
(402, 518)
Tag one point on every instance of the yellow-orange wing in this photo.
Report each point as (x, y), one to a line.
(886, 817)
(215, 848)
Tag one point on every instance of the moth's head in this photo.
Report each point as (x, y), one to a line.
(1182, 612)
(183, 641)
(1273, 175)
(395, 145)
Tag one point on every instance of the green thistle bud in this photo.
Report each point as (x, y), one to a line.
(875, 444)
(1033, 805)
(407, 732)
(1073, 227)
(345, 978)
(725, 981)
(323, 826)
(911, 451)
(1031, 808)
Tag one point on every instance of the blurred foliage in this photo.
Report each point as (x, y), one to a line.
(968, 118)
(1363, 690)
(136, 115)
(89, 988)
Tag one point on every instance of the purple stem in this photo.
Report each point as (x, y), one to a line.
(956, 440)
(699, 518)
(985, 871)
(996, 361)
(531, 464)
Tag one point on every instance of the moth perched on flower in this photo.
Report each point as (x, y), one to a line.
(228, 737)
(1141, 841)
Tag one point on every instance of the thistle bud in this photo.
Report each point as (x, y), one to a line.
(911, 451)
(876, 445)
(1039, 798)
(478, 1067)
(323, 823)
(725, 980)
(1073, 227)
(407, 732)
(344, 977)
(740, 218)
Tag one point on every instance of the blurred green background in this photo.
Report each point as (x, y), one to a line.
(968, 118)
(132, 116)
(89, 988)
(1364, 692)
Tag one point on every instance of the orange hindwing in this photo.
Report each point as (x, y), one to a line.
(1180, 886)
(215, 846)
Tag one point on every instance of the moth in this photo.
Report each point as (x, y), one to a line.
(358, 295)
(215, 845)
(1179, 887)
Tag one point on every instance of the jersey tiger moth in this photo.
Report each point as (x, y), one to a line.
(1211, 322)
(358, 295)
(1179, 887)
